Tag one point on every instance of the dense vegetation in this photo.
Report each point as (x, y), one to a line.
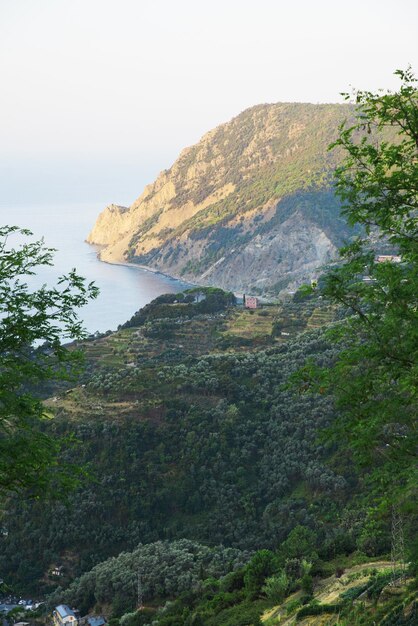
(185, 436)
(194, 301)
(29, 458)
(374, 380)
(166, 569)
(212, 447)
(233, 489)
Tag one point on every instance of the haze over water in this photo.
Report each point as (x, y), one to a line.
(123, 289)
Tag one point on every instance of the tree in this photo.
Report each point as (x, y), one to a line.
(301, 542)
(276, 587)
(262, 565)
(374, 379)
(33, 325)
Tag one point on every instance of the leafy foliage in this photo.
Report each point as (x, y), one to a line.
(275, 587)
(168, 569)
(262, 565)
(375, 376)
(195, 301)
(29, 457)
(213, 447)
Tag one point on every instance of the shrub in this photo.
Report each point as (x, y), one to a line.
(262, 565)
(307, 584)
(354, 592)
(301, 542)
(292, 606)
(276, 586)
(233, 581)
(138, 618)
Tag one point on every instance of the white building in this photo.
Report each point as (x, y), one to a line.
(388, 258)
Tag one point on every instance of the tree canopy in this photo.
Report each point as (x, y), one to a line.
(374, 378)
(34, 322)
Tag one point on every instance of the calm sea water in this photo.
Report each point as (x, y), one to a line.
(123, 290)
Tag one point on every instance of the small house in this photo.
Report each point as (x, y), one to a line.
(250, 302)
(57, 570)
(64, 616)
(388, 258)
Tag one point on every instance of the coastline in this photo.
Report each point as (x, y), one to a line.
(137, 266)
(147, 268)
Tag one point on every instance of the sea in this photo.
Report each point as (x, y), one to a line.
(123, 289)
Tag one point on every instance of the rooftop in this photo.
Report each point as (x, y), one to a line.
(96, 621)
(64, 611)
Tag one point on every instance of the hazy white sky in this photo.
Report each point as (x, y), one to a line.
(99, 95)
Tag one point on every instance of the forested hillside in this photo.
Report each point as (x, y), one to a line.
(193, 438)
(184, 436)
(188, 428)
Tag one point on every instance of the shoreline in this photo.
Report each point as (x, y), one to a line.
(137, 266)
(147, 268)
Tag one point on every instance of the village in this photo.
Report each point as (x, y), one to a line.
(20, 612)
(63, 615)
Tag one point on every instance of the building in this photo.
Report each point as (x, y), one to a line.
(57, 570)
(96, 621)
(250, 302)
(64, 616)
(391, 258)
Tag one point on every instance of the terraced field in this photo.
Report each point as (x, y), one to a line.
(332, 590)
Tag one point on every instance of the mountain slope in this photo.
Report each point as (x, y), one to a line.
(187, 430)
(248, 207)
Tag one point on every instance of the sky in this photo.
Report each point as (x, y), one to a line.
(98, 96)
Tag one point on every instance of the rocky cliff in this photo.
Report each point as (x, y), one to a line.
(249, 208)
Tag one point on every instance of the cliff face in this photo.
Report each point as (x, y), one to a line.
(250, 207)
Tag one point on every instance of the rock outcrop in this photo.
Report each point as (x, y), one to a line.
(249, 208)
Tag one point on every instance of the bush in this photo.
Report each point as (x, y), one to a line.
(293, 568)
(138, 618)
(353, 593)
(276, 587)
(240, 615)
(262, 565)
(307, 584)
(292, 606)
(233, 581)
(377, 583)
(301, 542)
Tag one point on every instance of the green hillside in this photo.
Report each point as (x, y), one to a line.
(188, 429)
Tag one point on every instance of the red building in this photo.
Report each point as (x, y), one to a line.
(250, 302)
